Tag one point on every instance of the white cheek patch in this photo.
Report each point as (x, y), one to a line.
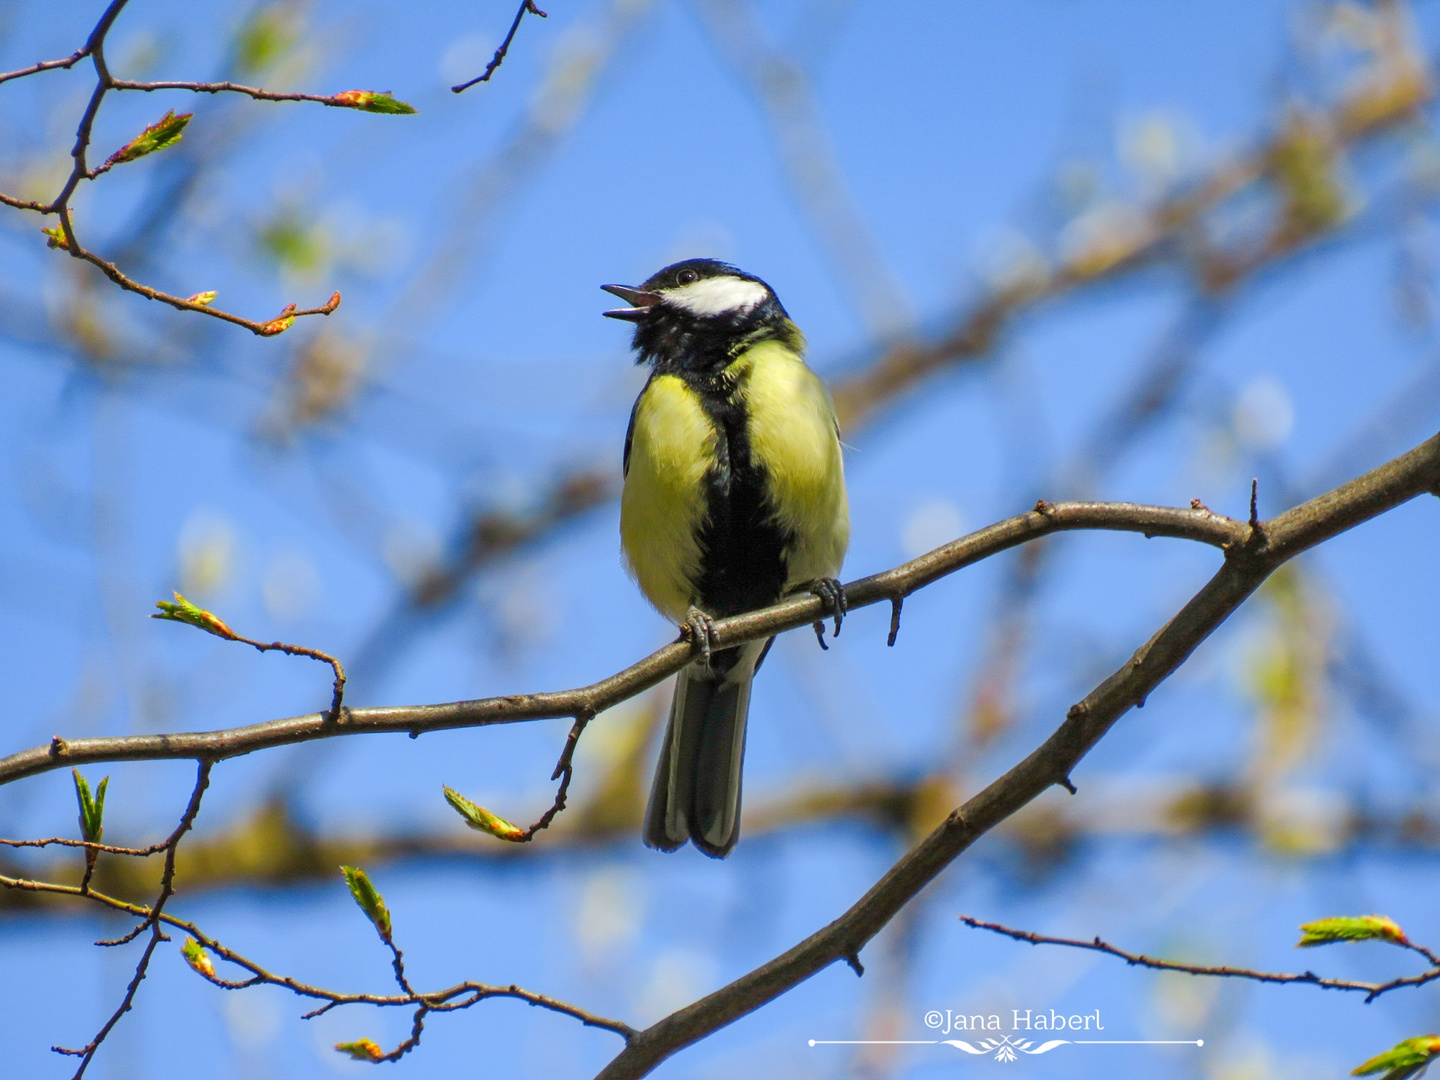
(717, 296)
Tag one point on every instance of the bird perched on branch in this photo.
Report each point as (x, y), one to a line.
(734, 497)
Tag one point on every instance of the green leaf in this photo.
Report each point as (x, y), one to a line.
(1402, 1060)
(369, 899)
(373, 101)
(361, 1050)
(183, 610)
(1351, 928)
(164, 132)
(480, 819)
(196, 956)
(92, 808)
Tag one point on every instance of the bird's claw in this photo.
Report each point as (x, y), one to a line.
(832, 595)
(699, 629)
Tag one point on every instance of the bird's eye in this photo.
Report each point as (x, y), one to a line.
(687, 277)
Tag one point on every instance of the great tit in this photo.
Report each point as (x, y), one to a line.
(734, 497)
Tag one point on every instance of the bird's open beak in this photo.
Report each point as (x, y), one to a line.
(637, 297)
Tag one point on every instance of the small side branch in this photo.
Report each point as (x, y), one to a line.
(152, 918)
(63, 235)
(1371, 990)
(896, 603)
(47, 65)
(527, 7)
(450, 999)
(337, 693)
(344, 100)
(564, 770)
(88, 845)
(198, 302)
(483, 820)
(184, 611)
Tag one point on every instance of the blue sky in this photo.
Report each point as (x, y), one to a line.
(953, 126)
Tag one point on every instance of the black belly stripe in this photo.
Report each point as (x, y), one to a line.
(744, 562)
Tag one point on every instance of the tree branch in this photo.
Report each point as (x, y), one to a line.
(63, 236)
(344, 100)
(1370, 989)
(460, 996)
(1192, 524)
(1247, 564)
(526, 7)
(153, 916)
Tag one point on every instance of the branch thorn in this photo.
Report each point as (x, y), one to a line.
(896, 602)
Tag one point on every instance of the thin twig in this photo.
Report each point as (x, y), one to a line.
(460, 996)
(47, 65)
(335, 101)
(152, 919)
(397, 961)
(1371, 990)
(269, 328)
(89, 845)
(337, 694)
(186, 612)
(526, 6)
(65, 238)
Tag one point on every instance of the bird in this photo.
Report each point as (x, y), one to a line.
(733, 498)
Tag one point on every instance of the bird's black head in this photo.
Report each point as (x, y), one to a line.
(698, 313)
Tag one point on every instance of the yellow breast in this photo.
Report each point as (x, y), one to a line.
(663, 503)
(792, 434)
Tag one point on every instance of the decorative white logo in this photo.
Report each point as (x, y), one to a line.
(1004, 1047)
(1008, 1048)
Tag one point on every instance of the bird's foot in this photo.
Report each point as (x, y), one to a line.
(699, 629)
(832, 595)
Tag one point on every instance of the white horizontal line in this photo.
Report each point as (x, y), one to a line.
(1077, 1042)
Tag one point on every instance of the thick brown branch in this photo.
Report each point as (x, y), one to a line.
(1246, 566)
(1369, 989)
(1199, 525)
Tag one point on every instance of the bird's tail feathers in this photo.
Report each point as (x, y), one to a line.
(696, 794)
